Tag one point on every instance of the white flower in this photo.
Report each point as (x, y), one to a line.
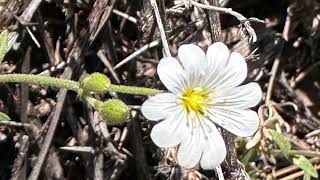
(204, 91)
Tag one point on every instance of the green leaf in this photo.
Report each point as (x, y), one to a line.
(306, 176)
(304, 163)
(4, 117)
(306, 153)
(3, 44)
(282, 142)
(248, 156)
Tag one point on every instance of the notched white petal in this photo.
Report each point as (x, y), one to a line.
(234, 73)
(157, 107)
(171, 74)
(190, 149)
(191, 56)
(214, 150)
(245, 96)
(237, 68)
(240, 122)
(170, 132)
(217, 55)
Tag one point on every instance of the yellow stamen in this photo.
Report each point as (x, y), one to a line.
(195, 100)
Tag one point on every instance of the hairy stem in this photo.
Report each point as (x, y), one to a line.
(305, 153)
(134, 90)
(39, 80)
(71, 85)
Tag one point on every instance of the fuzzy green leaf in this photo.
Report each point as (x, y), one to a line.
(282, 142)
(303, 163)
(3, 44)
(306, 177)
(248, 156)
(4, 117)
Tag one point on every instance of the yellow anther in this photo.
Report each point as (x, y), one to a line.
(195, 100)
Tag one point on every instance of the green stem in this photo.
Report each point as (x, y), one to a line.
(94, 102)
(305, 153)
(293, 152)
(134, 90)
(71, 85)
(39, 80)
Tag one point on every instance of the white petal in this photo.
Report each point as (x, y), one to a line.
(191, 56)
(157, 107)
(190, 149)
(171, 74)
(214, 150)
(233, 74)
(217, 57)
(238, 121)
(245, 96)
(171, 131)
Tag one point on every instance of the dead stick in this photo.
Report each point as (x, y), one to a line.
(297, 174)
(51, 130)
(161, 28)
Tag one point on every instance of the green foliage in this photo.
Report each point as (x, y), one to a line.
(248, 156)
(3, 44)
(4, 117)
(305, 153)
(306, 177)
(282, 142)
(96, 82)
(303, 163)
(298, 159)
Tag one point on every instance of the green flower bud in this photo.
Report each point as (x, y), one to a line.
(3, 44)
(4, 117)
(114, 111)
(96, 82)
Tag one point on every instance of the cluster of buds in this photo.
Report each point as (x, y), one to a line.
(114, 111)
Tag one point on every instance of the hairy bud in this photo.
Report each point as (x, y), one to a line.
(114, 111)
(96, 82)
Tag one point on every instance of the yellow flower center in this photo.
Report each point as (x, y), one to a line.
(195, 100)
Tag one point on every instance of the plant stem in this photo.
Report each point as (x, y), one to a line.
(305, 153)
(133, 90)
(94, 102)
(71, 85)
(292, 152)
(39, 80)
